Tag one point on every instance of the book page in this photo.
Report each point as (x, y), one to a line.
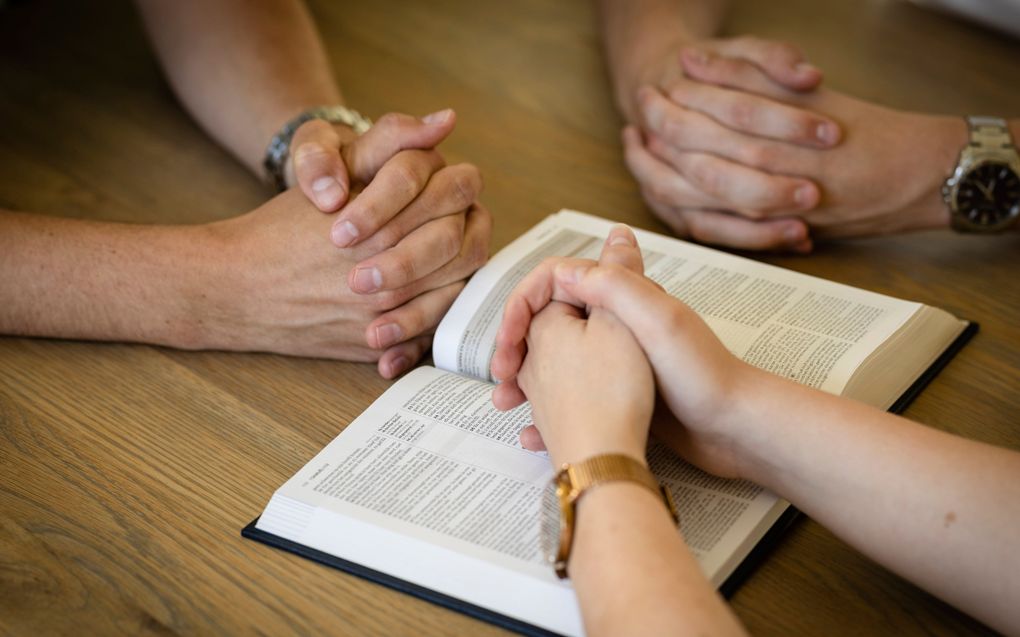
(430, 485)
(804, 328)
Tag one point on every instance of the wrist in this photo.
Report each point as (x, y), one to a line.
(748, 423)
(209, 288)
(648, 65)
(584, 443)
(940, 140)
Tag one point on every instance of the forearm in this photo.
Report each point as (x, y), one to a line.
(939, 510)
(242, 69)
(634, 575)
(104, 281)
(637, 33)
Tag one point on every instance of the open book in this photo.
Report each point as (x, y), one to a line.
(429, 490)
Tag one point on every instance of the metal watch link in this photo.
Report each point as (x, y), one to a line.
(279, 147)
(983, 193)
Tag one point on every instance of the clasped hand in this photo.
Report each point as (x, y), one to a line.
(733, 143)
(370, 283)
(591, 380)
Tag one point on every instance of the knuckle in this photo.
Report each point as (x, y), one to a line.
(466, 186)
(313, 128)
(406, 267)
(706, 176)
(742, 113)
(657, 146)
(389, 235)
(384, 301)
(677, 318)
(756, 155)
(672, 128)
(406, 179)
(413, 320)
(389, 120)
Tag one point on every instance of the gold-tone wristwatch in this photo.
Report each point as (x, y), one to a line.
(559, 502)
(983, 193)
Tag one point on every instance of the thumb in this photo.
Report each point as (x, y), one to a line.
(621, 248)
(393, 133)
(317, 166)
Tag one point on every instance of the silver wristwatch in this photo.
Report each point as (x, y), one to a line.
(279, 147)
(983, 193)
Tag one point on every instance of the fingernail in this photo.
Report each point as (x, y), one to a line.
(804, 196)
(343, 234)
(398, 365)
(388, 334)
(804, 67)
(367, 279)
(328, 191)
(827, 133)
(621, 236)
(439, 117)
(794, 233)
(804, 247)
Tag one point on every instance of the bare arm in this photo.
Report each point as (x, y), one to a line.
(633, 573)
(93, 280)
(631, 570)
(942, 511)
(242, 69)
(639, 33)
(939, 510)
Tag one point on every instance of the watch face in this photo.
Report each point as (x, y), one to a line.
(989, 194)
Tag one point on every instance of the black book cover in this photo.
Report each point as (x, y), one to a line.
(728, 588)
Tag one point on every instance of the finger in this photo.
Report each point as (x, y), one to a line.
(508, 395)
(318, 168)
(391, 134)
(451, 191)
(751, 192)
(724, 229)
(686, 129)
(534, 292)
(782, 62)
(417, 255)
(400, 358)
(635, 300)
(660, 183)
(396, 185)
(531, 439)
(474, 251)
(757, 115)
(418, 316)
(622, 249)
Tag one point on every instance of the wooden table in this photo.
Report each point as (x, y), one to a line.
(126, 472)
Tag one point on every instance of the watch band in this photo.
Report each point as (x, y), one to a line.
(279, 147)
(989, 132)
(582, 477)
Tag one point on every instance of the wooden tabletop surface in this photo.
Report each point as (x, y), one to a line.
(127, 471)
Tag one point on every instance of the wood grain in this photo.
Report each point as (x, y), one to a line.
(126, 472)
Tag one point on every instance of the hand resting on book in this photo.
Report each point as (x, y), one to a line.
(948, 524)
